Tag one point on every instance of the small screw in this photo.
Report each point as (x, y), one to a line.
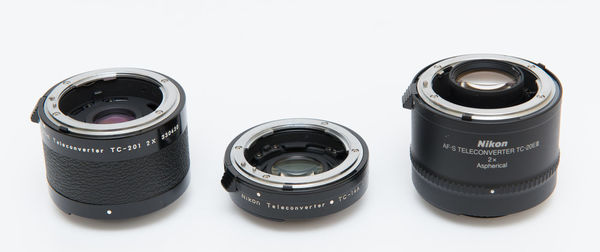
(238, 147)
(54, 105)
(266, 176)
(531, 66)
(434, 96)
(324, 123)
(159, 112)
(437, 66)
(164, 80)
(51, 98)
(109, 212)
(541, 96)
(354, 150)
(66, 82)
(254, 169)
(243, 164)
(56, 113)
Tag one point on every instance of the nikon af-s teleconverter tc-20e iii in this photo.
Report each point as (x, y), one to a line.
(485, 136)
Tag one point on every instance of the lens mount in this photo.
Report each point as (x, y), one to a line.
(167, 106)
(351, 144)
(546, 87)
(330, 161)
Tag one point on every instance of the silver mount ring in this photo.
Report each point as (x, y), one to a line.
(170, 93)
(546, 90)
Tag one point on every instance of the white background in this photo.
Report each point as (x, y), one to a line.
(247, 62)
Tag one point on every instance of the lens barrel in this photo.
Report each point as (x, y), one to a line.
(484, 147)
(296, 169)
(115, 142)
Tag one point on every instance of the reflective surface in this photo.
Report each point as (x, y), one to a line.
(486, 80)
(114, 116)
(296, 166)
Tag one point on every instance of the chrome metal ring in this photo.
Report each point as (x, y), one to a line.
(547, 89)
(353, 147)
(170, 100)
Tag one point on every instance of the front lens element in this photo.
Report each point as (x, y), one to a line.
(114, 116)
(486, 80)
(296, 166)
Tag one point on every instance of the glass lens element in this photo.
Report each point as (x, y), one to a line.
(486, 80)
(117, 116)
(296, 166)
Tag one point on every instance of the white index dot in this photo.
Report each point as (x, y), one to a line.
(331, 202)
(109, 212)
(258, 194)
(492, 191)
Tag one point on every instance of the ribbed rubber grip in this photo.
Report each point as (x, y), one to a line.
(470, 189)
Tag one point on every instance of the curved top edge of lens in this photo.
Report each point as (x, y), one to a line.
(354, 147)
(170, 101)
(546, 91)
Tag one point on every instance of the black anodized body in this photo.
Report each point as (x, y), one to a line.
(483, 168)
(115, 177)
(282, 204)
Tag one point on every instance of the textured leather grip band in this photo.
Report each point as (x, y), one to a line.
(118, 182)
